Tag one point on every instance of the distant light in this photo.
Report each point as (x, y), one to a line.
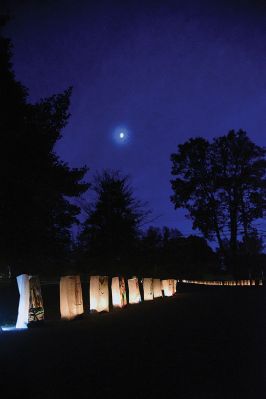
(122, 135)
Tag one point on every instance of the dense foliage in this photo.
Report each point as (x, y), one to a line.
(222, 184)
(35, 211)
(111, 230)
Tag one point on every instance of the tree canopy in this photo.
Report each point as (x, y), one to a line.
(222, 184)
(36, 212)
(111, 230)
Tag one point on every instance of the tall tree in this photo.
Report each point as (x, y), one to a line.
(195, 187)
(111, 230)
(223, 186)
(36, 213)
(240, 167)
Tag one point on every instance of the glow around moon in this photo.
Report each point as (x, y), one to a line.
(121, 135)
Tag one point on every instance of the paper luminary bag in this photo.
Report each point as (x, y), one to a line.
(116, 297)
(123, 291)
(71, 301)
(168, 287)
(30, 307)
(171, 285)
(157, 288)
(23, 282)
(99, 294)
(175, 284)
(103, 301)
(133, 289)
(165, 287)
(148, 289)
(36, 310)
(119, 296)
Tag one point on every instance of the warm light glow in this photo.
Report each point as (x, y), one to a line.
(168, 287)
(123, 291)
(116, 300)
(157, 290)
(224, 283)
(36, 309)
(148, 289)
(133, 288)
(99, 294)
(119, 298)
(71, 302)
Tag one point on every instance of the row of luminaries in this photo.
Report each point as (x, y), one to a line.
(225, 282)
(71, 298)
(71, 303)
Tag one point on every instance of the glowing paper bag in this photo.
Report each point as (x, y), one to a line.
(171, 283)
(99, 294)
(116, 297)
(36, 310)
(168, 287)
(123, 291)
(157, 289)
(148, 289)
(71, 302)
(103, 304)
(133, 289)
(24, 301)
(94, 289)
(119, 297)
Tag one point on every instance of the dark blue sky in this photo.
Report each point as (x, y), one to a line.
(165, 70)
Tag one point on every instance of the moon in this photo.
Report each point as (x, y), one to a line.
(121, 135)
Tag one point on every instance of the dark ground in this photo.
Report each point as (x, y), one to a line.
(203, 343)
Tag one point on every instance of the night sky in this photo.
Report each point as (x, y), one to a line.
(160, 72)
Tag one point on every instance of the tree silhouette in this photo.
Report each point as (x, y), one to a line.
(222, 184)
(36, 213)
(166, 253)
(110, 233)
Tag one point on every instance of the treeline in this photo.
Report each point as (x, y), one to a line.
(221, 184)
(112, 238)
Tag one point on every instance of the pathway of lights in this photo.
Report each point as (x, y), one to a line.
(224, 283)
(31, 310)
